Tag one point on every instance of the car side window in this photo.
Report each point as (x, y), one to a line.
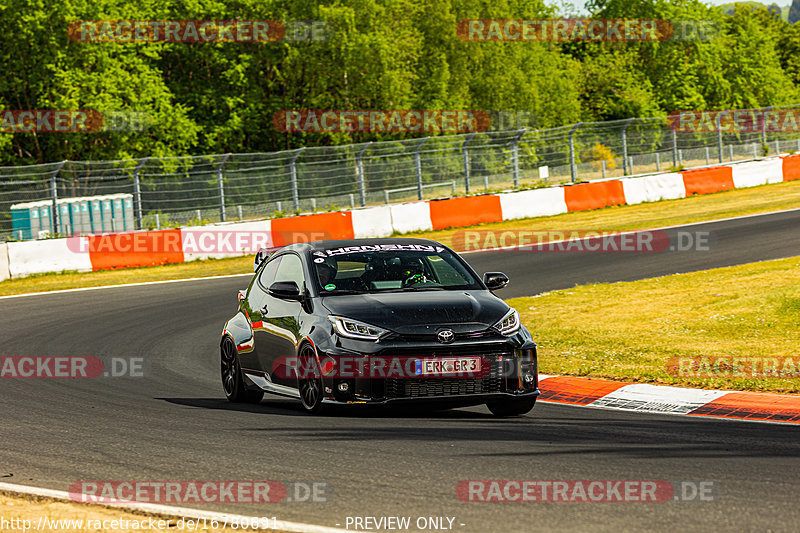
(267, 276)
(446, 273)
(291, 269)
(257, 294)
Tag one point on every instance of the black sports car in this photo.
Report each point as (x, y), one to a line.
(377, 321)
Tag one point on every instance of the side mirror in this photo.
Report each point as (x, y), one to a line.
(286, 290)
(261, 256)
(241, 295)
(495, 280)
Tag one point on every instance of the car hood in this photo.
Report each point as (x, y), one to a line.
(421, 312)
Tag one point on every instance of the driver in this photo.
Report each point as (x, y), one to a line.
(413, 272)
(326, 271)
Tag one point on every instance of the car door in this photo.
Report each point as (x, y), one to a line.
(282, 324)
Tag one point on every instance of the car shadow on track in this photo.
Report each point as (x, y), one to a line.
(550, 430)
(293, 408)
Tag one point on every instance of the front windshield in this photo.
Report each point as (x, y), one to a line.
(390, 268)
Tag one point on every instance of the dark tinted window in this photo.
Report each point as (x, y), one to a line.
(267, 276)
(291, 269)
(388, 267)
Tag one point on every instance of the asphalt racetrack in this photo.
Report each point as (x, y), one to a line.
(175, 424)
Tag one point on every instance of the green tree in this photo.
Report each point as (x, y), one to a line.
(45, 69)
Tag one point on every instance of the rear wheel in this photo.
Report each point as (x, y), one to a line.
(513, 407)
(231, 371)
(309, 384)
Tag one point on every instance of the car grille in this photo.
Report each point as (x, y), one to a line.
(426, 387)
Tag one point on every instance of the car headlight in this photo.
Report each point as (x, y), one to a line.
(509, 324)
(354, 329)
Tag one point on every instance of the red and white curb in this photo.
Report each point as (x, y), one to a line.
(176, 512)
(659, 399)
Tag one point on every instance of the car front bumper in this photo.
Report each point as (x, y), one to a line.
(510, 372)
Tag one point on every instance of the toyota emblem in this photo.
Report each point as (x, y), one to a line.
(446, 336)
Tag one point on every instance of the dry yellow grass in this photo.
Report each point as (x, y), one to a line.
(629, 331)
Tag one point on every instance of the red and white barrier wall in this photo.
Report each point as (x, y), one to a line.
(4, 273)
(145, 248)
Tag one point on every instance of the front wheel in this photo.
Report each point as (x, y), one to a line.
(231, 371)
(512, 407)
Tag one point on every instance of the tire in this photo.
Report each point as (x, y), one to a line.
(231, 373)
(514, 407)
(310, 387)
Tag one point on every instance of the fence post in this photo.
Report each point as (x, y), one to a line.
(573, 168)
(674, 149)
(515, 155)
(55, 219)
(362, 187)
(764, 124)
(54, 208)
(418, 164)
(137, 193)
(221, 188)
(465, 151)
(293, 175)
(719, 137)
(625, 147)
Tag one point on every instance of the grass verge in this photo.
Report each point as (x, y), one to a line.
(750, 201)
(630, 331)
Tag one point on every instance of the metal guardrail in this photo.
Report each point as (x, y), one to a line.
(175, 191)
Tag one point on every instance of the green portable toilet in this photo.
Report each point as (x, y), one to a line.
(21, 221)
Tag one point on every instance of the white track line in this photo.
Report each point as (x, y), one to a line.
(140, 283)
(483, 250)
(179, 512)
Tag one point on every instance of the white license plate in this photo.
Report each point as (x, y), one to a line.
(448, 365)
